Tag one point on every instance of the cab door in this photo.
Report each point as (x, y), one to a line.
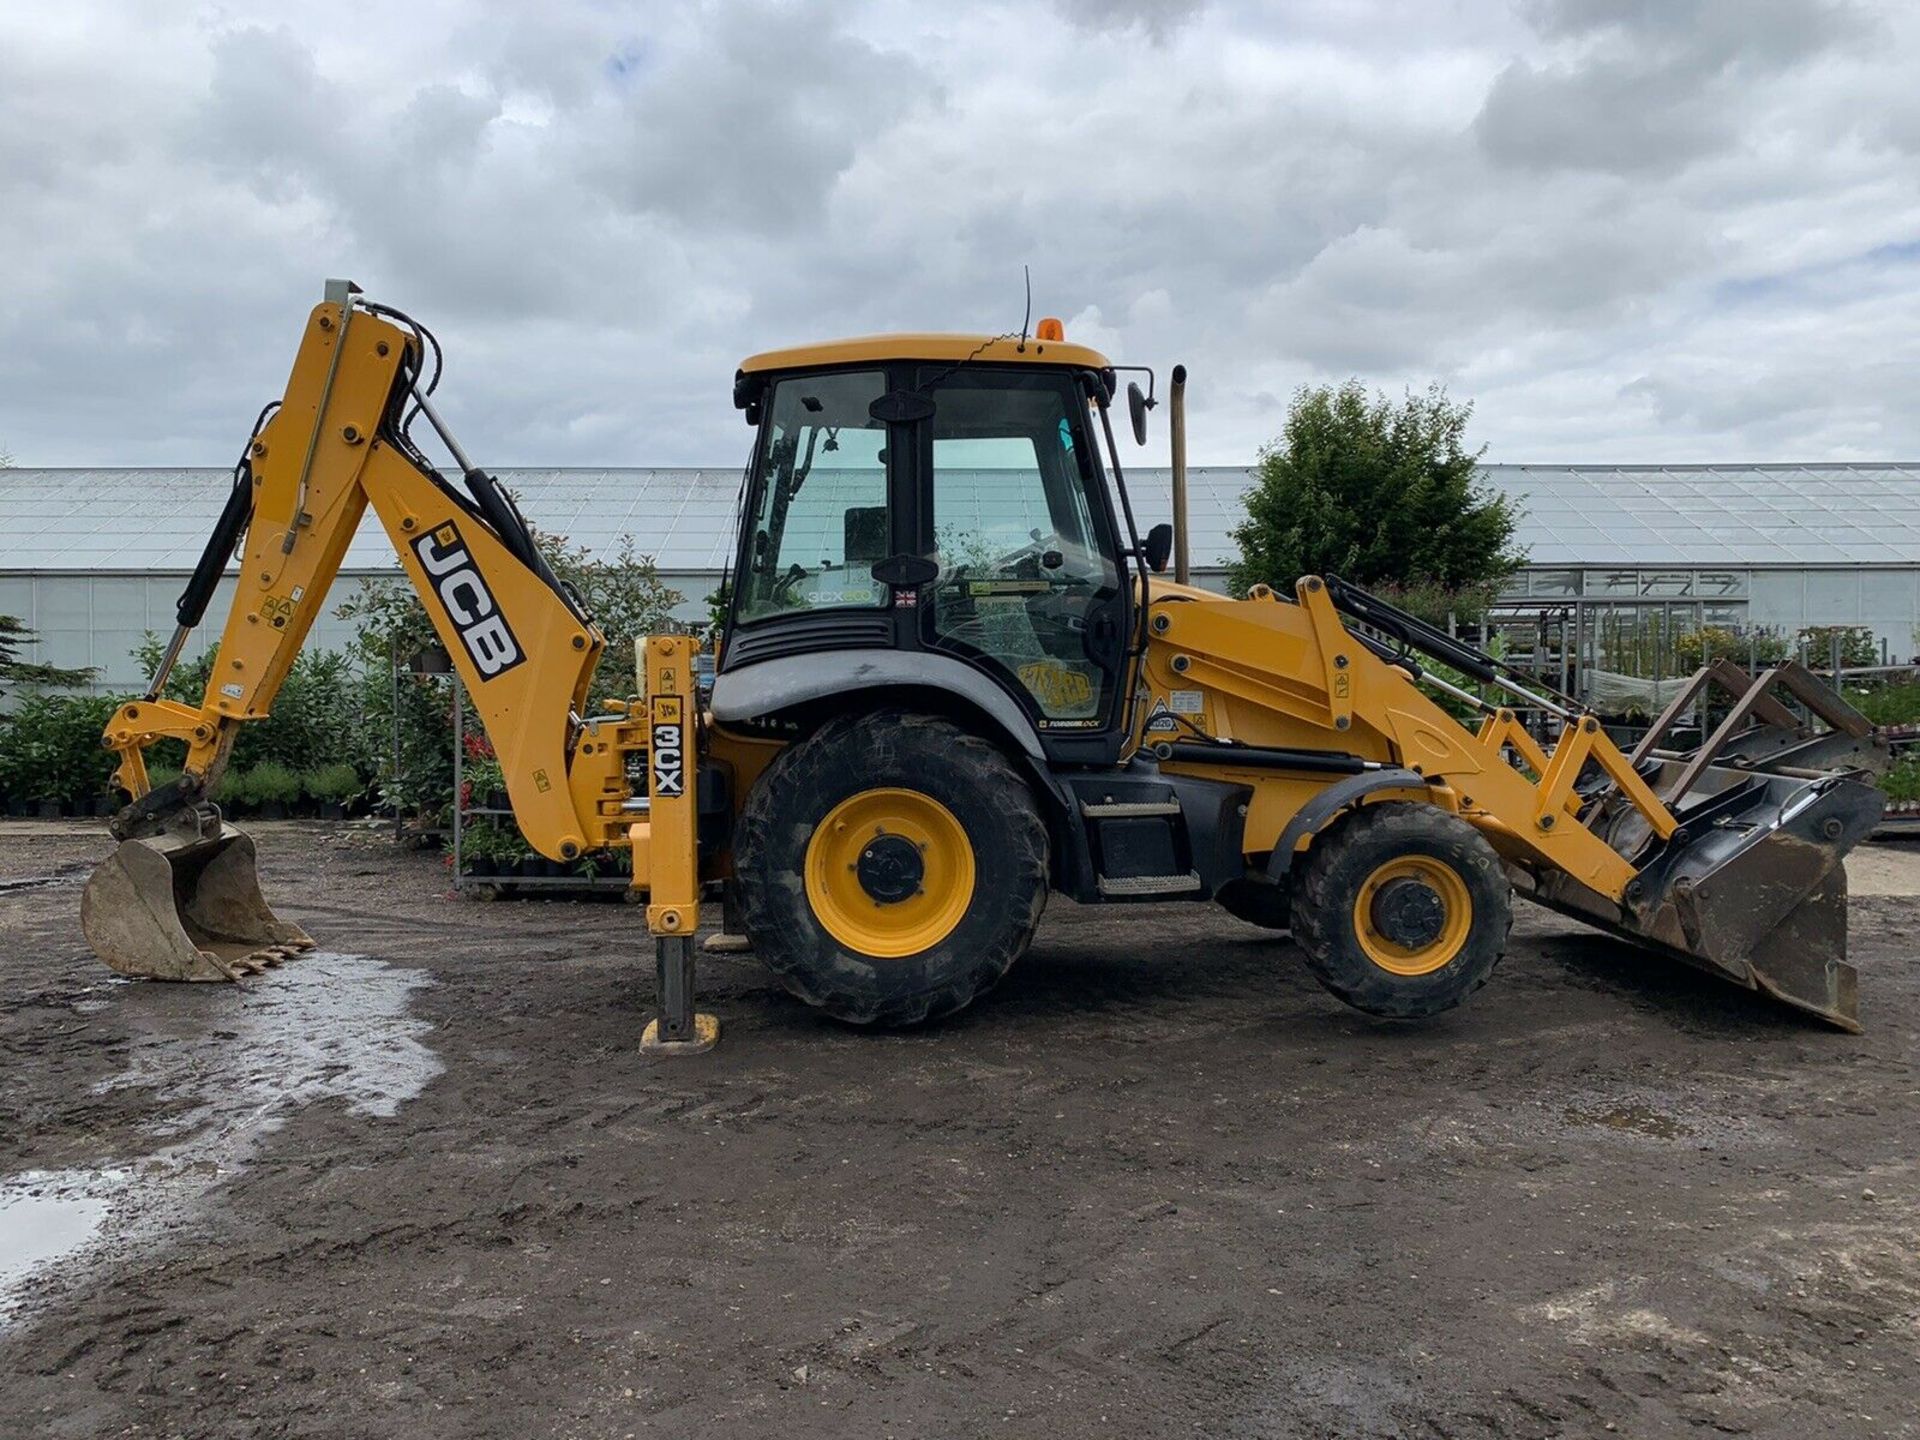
(1017, 520)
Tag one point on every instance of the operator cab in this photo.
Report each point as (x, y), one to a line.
(944, 497)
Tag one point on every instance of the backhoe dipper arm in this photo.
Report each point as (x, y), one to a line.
(520, 642)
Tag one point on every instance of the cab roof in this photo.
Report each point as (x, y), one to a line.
(950, 349)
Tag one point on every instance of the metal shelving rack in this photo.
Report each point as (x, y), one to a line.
(572, 883)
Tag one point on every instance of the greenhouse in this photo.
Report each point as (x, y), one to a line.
(1624, 563)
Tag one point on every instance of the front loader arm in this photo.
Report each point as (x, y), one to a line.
(520, 643)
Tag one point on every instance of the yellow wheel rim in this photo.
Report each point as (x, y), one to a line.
(889, 872)
(1455, 923)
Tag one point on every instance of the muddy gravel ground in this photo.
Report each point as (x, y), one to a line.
(424, 1184)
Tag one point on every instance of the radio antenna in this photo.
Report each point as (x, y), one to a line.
(1026, 319)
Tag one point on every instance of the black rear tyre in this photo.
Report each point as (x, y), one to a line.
(891, 867)
(1402, 910)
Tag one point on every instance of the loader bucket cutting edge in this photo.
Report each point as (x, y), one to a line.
(1756, 893)
(185, 907)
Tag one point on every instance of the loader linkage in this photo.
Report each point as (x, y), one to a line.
(1738, 844)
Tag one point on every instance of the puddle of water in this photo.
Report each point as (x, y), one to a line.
(44, 1215)
(231, 1064)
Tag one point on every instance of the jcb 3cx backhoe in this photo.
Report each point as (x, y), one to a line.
(953, 679)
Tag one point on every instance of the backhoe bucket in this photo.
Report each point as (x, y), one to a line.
(185, 905)
(1753, 885)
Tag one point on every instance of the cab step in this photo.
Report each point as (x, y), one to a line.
(1127, 809)
(1135, 885)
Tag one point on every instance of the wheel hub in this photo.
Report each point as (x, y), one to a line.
(890, 869)
(1409, 912)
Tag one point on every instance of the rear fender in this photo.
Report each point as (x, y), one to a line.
(808, 690)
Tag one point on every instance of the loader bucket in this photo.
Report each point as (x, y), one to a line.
(185, 905)
(1753, 886)
(1753, 889)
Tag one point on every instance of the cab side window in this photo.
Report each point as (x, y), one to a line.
(820, 516)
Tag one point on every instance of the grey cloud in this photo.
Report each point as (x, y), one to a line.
(601, 209)
(1610, 117)
(1157, 19)
(1649, 87)
(269, 117)
(750, 130)
(1757, 32)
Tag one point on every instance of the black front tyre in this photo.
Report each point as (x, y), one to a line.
(891, 867)
(1402, 910)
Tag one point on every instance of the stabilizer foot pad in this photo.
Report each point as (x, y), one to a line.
(706, 1035)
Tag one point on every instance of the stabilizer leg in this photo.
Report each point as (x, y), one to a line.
(678, 1029)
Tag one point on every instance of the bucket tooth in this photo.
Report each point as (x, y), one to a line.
(185, 904)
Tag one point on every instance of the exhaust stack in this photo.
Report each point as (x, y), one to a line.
(1177, 439)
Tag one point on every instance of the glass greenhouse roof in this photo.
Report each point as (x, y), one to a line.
(1721, 515)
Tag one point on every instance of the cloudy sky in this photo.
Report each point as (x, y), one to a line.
(1626, 229)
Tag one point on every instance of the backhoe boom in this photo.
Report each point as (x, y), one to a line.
(524, 648)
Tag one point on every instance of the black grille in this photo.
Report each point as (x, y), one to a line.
(806, 634)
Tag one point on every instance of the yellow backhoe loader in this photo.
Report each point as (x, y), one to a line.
(953, 680)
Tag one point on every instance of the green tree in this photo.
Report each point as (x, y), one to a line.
(1382, 493)
(15, 637)
(719, 602)
(626, 598)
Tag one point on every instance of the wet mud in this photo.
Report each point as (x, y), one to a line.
(1157, 1183)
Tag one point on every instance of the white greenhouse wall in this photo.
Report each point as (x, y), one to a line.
(100, 619)
(1886, 599)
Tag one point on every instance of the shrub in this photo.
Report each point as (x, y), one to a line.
(1759, 645)
(272, 783)
(235, 788)
(319, 717)
(1379, 492)
(338, 782)
(488, 841)
(1902, 782)
(1857, 645)
(1890, 704)
(50, 749)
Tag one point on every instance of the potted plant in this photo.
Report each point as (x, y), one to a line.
(274, 788)
(333, 787)
(235, 792)
(476, 853)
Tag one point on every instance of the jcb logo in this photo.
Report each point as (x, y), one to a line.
(666, 747)
(468, 603)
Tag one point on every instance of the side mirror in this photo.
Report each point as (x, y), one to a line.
(901, 407)
(911, 572)
(1157, 549)
(1137, 406)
